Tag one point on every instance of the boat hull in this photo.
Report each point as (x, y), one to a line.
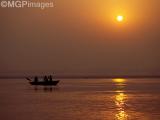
(49, 83)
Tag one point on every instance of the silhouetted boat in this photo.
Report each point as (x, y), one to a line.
(43, 83)
(49, 83)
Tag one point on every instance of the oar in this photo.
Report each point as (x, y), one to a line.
(28, 79)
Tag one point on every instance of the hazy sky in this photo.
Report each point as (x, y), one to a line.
(82, 37)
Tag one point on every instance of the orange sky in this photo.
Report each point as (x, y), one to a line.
(79, 36)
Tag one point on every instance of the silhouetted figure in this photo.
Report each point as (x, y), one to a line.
(35, 79)
(45, 78)
(50, 78)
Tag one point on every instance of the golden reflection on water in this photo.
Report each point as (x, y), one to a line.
(120, 106)
(119, 80)
(120, 100)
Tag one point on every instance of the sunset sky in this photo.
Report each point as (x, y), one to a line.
(82, 37)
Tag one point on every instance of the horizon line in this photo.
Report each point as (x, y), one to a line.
(83, 76)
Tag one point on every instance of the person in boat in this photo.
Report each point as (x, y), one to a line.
(45, 78)
(36, 79)
(50, 78)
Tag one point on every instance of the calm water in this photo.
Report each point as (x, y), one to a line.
(81, 99)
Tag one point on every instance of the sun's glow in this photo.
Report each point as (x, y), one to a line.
(120, 18)
(119, 80)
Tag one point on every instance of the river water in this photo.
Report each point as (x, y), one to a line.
(81, 99)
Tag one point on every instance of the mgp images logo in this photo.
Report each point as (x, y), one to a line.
(25, 4)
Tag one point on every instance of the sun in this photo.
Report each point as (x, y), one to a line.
(120, 18)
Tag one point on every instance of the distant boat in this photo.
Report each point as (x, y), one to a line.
(43, 83)
(49, 83)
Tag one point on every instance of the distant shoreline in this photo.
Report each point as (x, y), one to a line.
(84, 77)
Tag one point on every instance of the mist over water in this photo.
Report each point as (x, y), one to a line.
(81, 99)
